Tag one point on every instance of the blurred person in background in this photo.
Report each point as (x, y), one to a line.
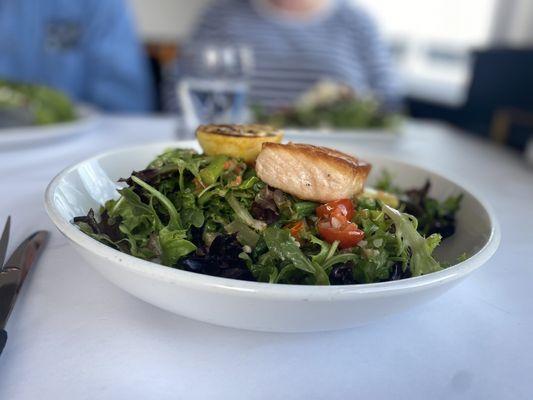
(298, 43)
(87, 48)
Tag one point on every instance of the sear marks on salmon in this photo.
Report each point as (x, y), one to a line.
(311, 172)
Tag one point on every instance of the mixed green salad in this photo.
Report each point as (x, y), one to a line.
(346, 114)
(213, 215)
(330, 105)
(27, 104)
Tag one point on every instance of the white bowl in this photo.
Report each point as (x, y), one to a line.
(263, 306)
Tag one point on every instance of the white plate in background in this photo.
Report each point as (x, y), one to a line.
(21, 136)
(341, 135)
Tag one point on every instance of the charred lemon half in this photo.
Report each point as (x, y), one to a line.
(241, 141)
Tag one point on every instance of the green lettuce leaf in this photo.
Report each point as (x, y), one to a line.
(282, 244)
(421, 261)
(174, 245)
(243, 214)
(172, 238)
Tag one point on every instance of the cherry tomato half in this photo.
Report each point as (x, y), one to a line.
(337, 208)
(347, 234)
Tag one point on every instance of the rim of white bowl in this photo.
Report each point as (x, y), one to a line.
(262, 289)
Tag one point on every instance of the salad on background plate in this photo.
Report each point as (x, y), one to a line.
(34, 115)
(23, 104)
(330, 106)
(254, 209)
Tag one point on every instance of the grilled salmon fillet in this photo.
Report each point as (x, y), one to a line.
(311, 172)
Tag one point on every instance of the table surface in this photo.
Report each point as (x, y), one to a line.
(73, 335)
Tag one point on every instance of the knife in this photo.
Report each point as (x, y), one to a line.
(4, 240)
(13, 274)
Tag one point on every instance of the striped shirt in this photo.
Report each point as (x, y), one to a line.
(342, 45)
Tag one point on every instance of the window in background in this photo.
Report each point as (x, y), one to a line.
(431, 41)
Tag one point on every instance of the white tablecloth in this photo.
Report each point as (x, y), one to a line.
(75, 336)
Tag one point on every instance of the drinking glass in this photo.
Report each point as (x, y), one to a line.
(213, 85)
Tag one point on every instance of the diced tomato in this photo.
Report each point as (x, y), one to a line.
(237, 181)
(228, 164)
(338, 208)
(347, 234)
(335, 223)
(295, 228)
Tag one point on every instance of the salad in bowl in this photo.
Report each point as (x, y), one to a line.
(254, 209)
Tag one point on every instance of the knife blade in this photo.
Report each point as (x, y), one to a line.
(3, 340)
(13, 275)
(26, 254)
(4, 240)
(10, 280)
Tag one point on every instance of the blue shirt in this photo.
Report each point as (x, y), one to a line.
(342, 44)
(87, 48)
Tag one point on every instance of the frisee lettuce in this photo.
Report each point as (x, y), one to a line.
(421, 248)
